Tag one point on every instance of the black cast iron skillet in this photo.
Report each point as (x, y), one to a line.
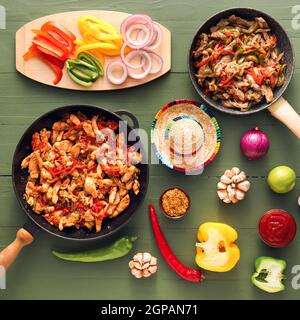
(279, 107)
(19, 178)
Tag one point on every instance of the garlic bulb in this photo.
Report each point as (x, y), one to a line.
(233, 186)
(143, 265)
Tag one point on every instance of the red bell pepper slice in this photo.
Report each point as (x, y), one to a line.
(215, 56)
(55, 64)
(49, 48)
(61, 34)
(63, 47)
(226, 82)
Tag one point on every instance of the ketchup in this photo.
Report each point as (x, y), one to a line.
(277, 228)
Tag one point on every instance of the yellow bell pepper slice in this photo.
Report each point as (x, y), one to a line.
(99, 38)
(106, 48)
(216, 250)
(89, 22)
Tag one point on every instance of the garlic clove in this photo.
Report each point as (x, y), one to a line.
(235, 171)
(228, 174)
(146, 257)
(138, 265)
(146, 265)
(131, 264)
(244, 185)
(137, 273)
(226, 200)
(234, 200)
(225, 179)
(152, 269)
(222, 194)
(138, 257)
(240, 195)
(146, 273)
(221, 186)
(153, 261)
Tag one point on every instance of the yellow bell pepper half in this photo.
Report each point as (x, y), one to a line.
(216, 250)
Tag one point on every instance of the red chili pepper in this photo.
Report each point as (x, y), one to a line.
(183, 271)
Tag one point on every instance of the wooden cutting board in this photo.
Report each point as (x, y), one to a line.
(38, 71)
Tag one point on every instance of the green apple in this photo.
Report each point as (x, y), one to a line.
(282, 179)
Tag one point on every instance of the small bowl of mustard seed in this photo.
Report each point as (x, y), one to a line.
(174, 203)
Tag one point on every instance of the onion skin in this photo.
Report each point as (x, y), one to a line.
(254, 144)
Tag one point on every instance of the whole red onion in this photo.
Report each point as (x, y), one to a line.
(254, 144)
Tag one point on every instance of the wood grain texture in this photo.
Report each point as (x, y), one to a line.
(38, 71)
(38, 275)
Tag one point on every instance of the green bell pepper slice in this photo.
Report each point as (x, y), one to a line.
(90, 59)
(77, 80)
(85, 70)
(269, 274)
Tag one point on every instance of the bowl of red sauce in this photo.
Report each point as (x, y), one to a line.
(277, 228)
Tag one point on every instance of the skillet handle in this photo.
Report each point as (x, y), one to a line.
(133, 118)
(285, 113)
(9, 254)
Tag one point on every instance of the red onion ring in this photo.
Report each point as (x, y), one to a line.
(126, 59)
(157, 37)
(156, 57)
(146, 70)
(109, 72)
(136, 19)
(135, 43)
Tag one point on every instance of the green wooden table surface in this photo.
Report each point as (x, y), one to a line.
(38, 275)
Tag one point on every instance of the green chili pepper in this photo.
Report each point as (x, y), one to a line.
(117, 249)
